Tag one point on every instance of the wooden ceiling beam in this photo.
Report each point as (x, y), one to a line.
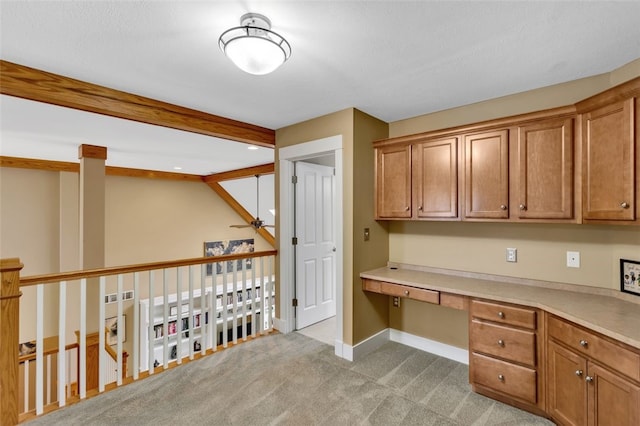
(241, 211)
(36, 85)
(264, 169)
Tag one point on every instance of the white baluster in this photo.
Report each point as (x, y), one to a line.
(39, 348)
(136, 325)
(102, 352)
(179, 317)
(165, 315)
(204, 310)
(244, 299)
(225, 304)
(192, 324)
(151, 330)
(82, 365)
(62, 309)
(120, 331)
(234, 301)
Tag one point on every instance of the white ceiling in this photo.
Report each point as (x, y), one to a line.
(390, 59)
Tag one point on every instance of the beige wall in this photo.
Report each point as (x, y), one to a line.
(146, 220)
(370, 311)
(357, 130)
(480, 247)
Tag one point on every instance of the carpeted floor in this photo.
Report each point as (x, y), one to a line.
(295, 380)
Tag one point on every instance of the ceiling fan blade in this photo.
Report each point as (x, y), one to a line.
(268, 226)
(240, 226)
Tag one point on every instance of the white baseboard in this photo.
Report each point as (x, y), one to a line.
(351, 353)
(280, 325)
(431, 346)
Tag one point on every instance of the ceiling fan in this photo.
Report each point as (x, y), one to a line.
(256, 223)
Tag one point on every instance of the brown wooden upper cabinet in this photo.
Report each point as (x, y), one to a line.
(545, 170)
(393, 182)
(608, 163)
(435, 177)
(486, 182)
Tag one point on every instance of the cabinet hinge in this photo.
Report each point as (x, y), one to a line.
(294, 241)
(294, 303)
(294, 179)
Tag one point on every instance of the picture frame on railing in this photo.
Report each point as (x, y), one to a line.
(113, 327)
(220, 248)
(630, 276)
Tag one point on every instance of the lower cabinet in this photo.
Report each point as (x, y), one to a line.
(504, 355)
(581, 391)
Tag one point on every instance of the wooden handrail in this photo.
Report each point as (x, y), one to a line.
(50, 346)
(93, 273)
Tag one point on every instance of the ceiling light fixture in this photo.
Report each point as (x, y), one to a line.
(253, 47)
(252, 148)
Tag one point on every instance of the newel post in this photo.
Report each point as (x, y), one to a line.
(9, 329)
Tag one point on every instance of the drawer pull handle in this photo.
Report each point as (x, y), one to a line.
(501, 377)
(589, 379)
(578, 373)
(406, 292)
(501, 343)
(584, 343)
(501, 314)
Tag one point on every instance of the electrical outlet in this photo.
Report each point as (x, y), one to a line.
(512, 255)
(573, 259)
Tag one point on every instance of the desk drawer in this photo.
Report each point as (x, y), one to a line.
(400, 290)
(410, 292)
(505, 314)
(612, 355)
(506, 378)
(504, 342)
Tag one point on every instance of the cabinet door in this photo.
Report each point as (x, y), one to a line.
(608, 163)
(566, 386)
(545, 170)
(435, 177)
(613, 401)
(393, 182)
(487, 175)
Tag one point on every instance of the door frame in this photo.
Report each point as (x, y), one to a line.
(286, 158)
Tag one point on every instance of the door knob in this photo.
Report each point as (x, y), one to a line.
(589, 379)
(501, 377)
(584, 343)
(503, 207)
(407, 208)
(624, 205)
(522, 207)
(578, 373)
(333, 249)
(501, 342)
(501, 314)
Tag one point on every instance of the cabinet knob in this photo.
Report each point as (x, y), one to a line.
(522, 207)
(406, 292)
(420, 208)
(578, 373)
(407, 208)
(503, 207)
(501, 377)
(589, 379)
(501, 342)
(624, 205)
(501, 314)
(584, 343)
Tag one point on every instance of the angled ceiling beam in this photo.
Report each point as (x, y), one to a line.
(242, 212)
(265, 169)
(36, 85)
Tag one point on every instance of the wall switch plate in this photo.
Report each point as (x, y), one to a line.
(366, 234)
(512, 255)
(396, 301)
(573, 259)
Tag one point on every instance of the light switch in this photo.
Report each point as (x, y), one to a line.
(366, 234)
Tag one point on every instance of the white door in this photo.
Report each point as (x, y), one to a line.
(316, 250)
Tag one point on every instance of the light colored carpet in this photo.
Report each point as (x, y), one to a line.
(294, 380)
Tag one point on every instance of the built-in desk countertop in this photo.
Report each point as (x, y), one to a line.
(601, 310)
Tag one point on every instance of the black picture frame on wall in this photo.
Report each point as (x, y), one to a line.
(630, 276)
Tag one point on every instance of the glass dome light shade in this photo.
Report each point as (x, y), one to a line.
(255, 55)
(253, 47)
